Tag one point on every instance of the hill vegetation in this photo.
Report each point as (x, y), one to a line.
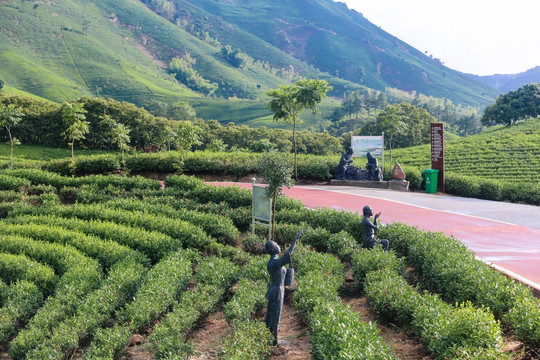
(156, 53)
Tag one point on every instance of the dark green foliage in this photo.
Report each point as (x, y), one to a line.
(22, 299)
(169, 162)
(8, 182)
(516, 105)
(452, 270)
(338, 333)
(118, 288)
(367, 261)
(524, 318)
(20, 267)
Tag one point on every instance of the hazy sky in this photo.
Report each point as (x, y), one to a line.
(481, 37)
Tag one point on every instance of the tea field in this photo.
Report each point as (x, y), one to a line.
(87, 262)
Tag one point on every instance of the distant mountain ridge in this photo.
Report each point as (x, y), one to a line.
(238, 49)
(509, 82)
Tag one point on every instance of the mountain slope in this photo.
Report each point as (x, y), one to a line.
(332, 37)
(509, 82)
(122, 49)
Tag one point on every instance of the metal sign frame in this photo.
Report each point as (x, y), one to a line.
(261, 209)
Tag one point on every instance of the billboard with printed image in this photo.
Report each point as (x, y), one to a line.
(363, 144)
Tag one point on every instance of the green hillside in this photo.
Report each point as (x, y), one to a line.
(122, 49)
(334, 39)
(506, 154)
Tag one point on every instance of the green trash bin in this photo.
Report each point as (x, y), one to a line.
(431, 176)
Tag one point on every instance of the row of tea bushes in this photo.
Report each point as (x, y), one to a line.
(106, 252)
(81, 276)
(169, 338)
(151, 243)
(21, 300)
(336, 330)
(20, 267)
(447, 331)
(159, 290)
(451, 269)
(251, 339)
(41, 177)
(93, 311)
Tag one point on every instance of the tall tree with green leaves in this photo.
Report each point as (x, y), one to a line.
(119, 134)
(513, 106)
(288, 101)
(10, 116)
(275, 168)
(74, 116)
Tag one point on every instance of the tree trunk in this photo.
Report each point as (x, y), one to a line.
(72, 154)
(294, 144)
(273, 223)
(11, 142)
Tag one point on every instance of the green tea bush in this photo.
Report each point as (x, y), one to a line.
(253, 244)
(367, 261)
(95, 164)
(337, 333)
(524, 318)
(250, 340)
(448, 332)
(39, 177)
(314, 288)
(217, 226)
(332, 220)
(249, 299)
(20, 267)
(159, 290)
(168, 338)
(185, 234)
(151, 243)
(391, 296)
(451, 269)
(8, 182)
(22, 299)
(343, 245)
(168, 162)
(82, 278)
(119, 287)
(184, 183)
(467, 186)
(256, 269)
(105, 251)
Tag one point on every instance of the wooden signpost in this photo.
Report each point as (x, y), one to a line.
(437, 152)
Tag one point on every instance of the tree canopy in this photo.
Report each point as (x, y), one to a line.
(513, 106)
(403, 124)
(288, 101)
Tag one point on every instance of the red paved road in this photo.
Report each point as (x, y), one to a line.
(512, 249)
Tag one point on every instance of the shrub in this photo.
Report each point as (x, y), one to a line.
(8, 182)
(524, 318)
(22, 299)
(375, 259)
(168, 162)
(253, 244)
(250, 340)
(337, 333)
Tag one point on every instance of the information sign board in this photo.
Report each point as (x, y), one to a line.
(437, 152)
(361, 145)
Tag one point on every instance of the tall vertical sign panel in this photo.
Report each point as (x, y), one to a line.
(437, 152)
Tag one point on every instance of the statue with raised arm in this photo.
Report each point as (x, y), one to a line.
(276, 289)
(369, 230)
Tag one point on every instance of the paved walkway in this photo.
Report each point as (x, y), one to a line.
(504, 235)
